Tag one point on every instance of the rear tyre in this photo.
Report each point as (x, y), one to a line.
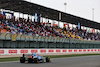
(22, 60)
(47, 59)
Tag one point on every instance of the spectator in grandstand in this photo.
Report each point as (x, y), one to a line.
(31, 28)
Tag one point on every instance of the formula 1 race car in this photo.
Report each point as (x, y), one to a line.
(33, 59)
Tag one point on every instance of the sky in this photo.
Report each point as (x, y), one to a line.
(81, 8)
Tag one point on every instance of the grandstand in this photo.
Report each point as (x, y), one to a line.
(34, 33)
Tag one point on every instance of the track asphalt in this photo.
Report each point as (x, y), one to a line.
(83, 61)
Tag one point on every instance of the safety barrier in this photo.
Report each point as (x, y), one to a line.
(45, 51)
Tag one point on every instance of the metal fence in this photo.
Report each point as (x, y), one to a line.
(4, 36)
(28, 41)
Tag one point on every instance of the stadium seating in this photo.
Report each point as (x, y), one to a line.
(21, 26)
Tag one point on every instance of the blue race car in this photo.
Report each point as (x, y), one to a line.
(34, 58)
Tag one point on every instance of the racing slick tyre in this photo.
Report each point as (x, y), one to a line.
(22, 60)
(36, 60)
(47, 59)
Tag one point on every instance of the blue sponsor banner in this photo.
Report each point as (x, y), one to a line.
(78, 25)
(36, 17)
(3, 12)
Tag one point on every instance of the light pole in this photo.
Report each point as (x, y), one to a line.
(93, 14)
(65, 6)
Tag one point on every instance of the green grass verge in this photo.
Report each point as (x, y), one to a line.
(9, 59)
(51, 56)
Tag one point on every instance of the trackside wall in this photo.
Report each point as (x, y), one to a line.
(45, 51)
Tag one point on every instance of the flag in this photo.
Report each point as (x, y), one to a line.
(79, 26)
(36, 17)
(13, 37)
(3, 12)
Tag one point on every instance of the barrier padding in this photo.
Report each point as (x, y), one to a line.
(41, 51)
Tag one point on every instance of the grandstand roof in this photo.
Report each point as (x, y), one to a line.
(31, 8)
